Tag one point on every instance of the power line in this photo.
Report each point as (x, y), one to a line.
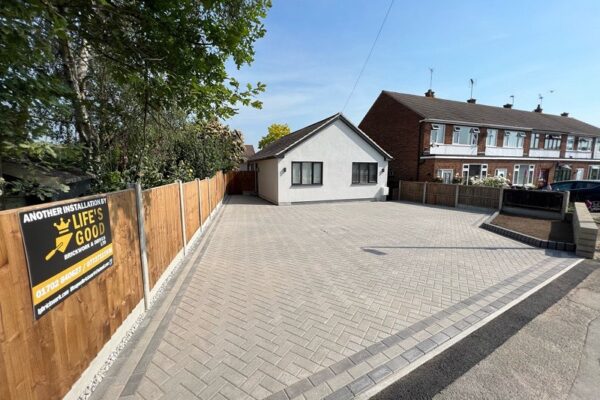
(369, 56)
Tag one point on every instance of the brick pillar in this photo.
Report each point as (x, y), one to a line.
(481, 138)
(527, 143)
(563, 145)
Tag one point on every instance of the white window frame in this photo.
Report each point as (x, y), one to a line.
(520, 139)
(498, 170)
(465, 169)
(491, 133)
(588, 141)
(555, 140)
(440, 174)
(570, 143)
(517, 174)
(577, 172)
(473, 134)
(440, 130)
(593, 168)
(535, 141)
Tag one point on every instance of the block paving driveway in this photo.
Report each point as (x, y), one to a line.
(326, 300)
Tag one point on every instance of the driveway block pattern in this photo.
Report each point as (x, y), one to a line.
(319, 300)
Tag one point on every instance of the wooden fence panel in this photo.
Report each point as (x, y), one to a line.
(205, 199)
(192, 211)
(42, 359)
(479, 196)
(411, 191)
(162, 222)
(440, 194)
(239, 182)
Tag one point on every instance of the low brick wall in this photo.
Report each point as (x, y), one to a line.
(585, 232)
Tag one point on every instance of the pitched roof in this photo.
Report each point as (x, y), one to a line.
(287, 142)
(440, 110)
(248, 151)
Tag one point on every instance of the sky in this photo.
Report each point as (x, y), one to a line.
(313, 52)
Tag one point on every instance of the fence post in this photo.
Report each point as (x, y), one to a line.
(399, 188)
(200, 204)
(565, 205)
(501, 199)
(456, 196)
(139, 202)
(209, 200)
(424, 191)
(182, 215)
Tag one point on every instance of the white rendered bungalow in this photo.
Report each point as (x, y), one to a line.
(326, 161)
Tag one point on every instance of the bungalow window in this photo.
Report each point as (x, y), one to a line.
(535, 141)
(594, 172)
(437, 134)
(491, 139)
(570, 142)
(364, 173)
(465, 135)
(514, 139)
(552, 142)
(584, 144)
(307, 173)
(523, 174)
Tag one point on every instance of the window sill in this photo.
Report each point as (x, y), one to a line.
(364, 184)
(306, 184)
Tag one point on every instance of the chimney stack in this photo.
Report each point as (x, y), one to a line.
(430, 93)
(538, 109)
(471, 101)
(507, 105)
(565, 114)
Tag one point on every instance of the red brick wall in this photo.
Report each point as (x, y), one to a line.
(396, 129)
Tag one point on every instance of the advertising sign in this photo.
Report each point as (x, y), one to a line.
(66, 246)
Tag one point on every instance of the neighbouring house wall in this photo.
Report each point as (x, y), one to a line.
(337, 146)
(396, 129)
(267, 179)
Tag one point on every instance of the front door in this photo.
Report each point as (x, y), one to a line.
(579, 174)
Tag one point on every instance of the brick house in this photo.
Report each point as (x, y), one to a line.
(433, 138)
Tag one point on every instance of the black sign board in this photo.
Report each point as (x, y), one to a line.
(66, 246)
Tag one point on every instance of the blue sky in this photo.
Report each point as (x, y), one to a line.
(314, 49)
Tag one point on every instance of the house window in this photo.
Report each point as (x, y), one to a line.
(514, 139)
(465, 135)
(307, 173)
(473, 171)
(523, 174)
(562, 173)
(584, 144)
(445, 175)
(570, 142)
(552, 142)
(364, 173)
(503, 172)
(535, 141)
(594, 172)
(596, 147)
(491, 139)
(437, 134)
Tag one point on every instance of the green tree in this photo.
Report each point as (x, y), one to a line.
(276, 131)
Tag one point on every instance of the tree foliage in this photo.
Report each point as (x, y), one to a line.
(275, 131)
(127, 81)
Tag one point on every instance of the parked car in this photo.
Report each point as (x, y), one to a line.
(578, 190)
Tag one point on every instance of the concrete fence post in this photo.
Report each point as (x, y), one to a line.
(139, 201)
(457, 188)
(501, 199)
(182, 215)
(424, 192)
(210, 205)
(399, 188)
(565, 205)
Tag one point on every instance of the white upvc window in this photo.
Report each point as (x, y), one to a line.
(445, 175)
(570, 142)
(437, 134)
(514, 139)
(477, 171)
(535, 141)
(597, 146)
(465, 135)
(552, 142)
(523, 174)
(503, 172)
(594, 172)
(491, 139)
(584, 144)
